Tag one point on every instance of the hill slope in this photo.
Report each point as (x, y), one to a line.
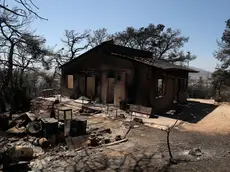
(202, 73)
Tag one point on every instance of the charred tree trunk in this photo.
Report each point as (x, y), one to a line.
(9, 76)
(8, 79)
(168, 145)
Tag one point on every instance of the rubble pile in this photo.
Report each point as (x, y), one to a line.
(37, 133)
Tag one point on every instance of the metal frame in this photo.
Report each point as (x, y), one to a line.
(64, 110)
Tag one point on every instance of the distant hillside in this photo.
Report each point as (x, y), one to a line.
(202, 73)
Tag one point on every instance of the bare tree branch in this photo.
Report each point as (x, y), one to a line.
(74, 43)
(11, 11)
(26, 6)
(97, 37)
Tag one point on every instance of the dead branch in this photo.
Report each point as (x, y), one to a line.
(9, 10)
(26, 6)
(72, 41)
(168, 131)
(116, 142)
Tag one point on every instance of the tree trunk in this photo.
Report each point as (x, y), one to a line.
(10, 75)
(10, 68)
(168, 145)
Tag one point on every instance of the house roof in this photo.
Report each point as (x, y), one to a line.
(140, 56)
(162, 64)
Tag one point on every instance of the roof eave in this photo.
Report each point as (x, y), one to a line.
(188, 70)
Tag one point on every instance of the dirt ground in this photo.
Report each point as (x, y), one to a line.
(215, 122)
(145, 150)
(206, 128)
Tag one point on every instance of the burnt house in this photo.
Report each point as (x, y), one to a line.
(112, 73)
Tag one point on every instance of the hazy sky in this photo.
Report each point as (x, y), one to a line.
(203, 21)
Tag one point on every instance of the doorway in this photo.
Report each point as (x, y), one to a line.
(90, 87)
